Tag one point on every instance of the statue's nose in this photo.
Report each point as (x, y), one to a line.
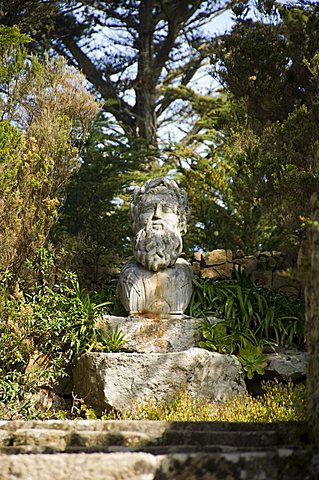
(157, 212)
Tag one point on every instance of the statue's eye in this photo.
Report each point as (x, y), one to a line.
(147, 209)
(168, 208)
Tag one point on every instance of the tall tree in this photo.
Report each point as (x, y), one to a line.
(95, 222)
(309, 267)
(131, 51)
(268, 140)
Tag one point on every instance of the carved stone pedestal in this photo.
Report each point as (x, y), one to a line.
(159, 334)
(161, 360)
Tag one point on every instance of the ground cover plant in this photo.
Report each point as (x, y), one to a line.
(279, 402)
(252, 319)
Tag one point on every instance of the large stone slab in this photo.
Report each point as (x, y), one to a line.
(96, 466)
(275, 464)
(153, 335)
(118, 380)
(217, 257)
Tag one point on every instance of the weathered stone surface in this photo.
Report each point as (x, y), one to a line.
(28, 440)
(157, 281)
(265, 268)
(285, 364)
(265, 253)
(196, 268)
(218, 271)
(249, 264)
(217, 257)
(198, 256)
(286, 284)
(166, 450)
(54, 436)
(166, 292)
(153, 335)
(239, 254)
(229, 466)
(118, 380)
(263, 278)
(276, 464)
(96, 466)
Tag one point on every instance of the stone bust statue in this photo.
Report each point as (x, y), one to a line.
(157, 281)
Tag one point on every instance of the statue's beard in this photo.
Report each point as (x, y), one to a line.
(157, 246)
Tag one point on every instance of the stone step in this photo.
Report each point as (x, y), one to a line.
(147, 426)
(282, 464)
(152, 450)
(102, 436)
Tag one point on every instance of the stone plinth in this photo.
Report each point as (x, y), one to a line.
(159, 334)
(118, 380)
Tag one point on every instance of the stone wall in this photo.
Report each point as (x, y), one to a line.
(268, 269)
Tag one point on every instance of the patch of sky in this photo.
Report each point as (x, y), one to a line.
(200, 225)
(117, 201)
(202, 83)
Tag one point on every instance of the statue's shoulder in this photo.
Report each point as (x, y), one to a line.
(183, 264)
(133, 270)
(182, 261)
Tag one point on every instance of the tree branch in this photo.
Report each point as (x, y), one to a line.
(121, 110)
(189, 137)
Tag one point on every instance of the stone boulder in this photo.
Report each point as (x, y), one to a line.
(218, 271)
(216, 257)
(119, 380)
(248, 263)
(153, 335)
(287, 364)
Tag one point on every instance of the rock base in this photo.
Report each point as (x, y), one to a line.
(119, 380)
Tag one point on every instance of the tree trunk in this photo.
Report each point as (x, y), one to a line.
(312, 319)
(145, 83)
(145, 112)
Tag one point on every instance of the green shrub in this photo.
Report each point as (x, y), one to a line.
(45, 114)
(44, 327)
(251, 318)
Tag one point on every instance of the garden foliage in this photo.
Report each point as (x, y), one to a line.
(43, 329)
(46, 320)
(280, 402)
(250, 318)
(45, 114)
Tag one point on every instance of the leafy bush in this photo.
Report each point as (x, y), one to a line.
(280, 402)
(45, 115)
(43, 329)
(251, 318)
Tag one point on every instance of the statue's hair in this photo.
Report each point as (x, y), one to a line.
(157, 185)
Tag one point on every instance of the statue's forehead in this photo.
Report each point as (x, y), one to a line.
(159, 195)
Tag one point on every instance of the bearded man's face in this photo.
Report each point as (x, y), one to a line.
(158, 242)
